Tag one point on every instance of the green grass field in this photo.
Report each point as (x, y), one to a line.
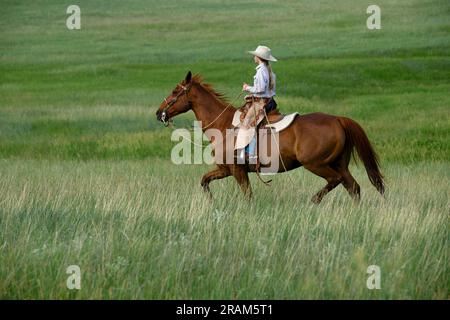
(86, 176)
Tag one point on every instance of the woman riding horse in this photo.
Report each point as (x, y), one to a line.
(259, 100)
(321, 143)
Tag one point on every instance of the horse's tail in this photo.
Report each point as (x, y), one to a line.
(355, 137)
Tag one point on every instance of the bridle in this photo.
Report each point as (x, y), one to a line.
(172, 102)
(185, 89)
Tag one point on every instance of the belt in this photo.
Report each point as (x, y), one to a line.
(261, 99)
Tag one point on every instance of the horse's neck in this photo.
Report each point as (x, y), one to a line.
(211, 112)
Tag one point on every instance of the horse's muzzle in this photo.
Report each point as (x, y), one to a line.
(161, 115)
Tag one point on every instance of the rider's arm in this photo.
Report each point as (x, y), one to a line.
(258, 83)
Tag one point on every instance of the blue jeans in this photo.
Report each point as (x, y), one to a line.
(251, 147)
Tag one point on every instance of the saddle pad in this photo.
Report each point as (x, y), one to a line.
(277, 126)
(283, 123)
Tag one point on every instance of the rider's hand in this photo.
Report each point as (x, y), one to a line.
(244, 87)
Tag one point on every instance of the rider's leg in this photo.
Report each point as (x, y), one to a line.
(251, 148)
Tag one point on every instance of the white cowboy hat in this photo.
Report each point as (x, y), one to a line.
(263, 52)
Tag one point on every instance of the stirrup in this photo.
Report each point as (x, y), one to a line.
(248, 159)
(251, 159)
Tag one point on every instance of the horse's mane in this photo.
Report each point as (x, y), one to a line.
(208, 87)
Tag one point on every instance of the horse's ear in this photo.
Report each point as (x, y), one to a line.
(188, 77)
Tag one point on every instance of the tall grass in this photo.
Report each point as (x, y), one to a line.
(143, 229)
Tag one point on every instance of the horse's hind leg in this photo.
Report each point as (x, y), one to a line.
(220, 173)
(351, 185)
(333, 178)
(348, 181)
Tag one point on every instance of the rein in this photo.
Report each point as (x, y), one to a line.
(185, 91)
(229, 104)
(168, 122)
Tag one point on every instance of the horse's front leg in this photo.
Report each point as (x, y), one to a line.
(241, 176)
(220, 173)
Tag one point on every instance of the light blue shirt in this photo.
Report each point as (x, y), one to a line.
(260, 86)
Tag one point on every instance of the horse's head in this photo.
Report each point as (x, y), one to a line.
(177, 102)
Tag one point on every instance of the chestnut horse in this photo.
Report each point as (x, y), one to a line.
(321, 143)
